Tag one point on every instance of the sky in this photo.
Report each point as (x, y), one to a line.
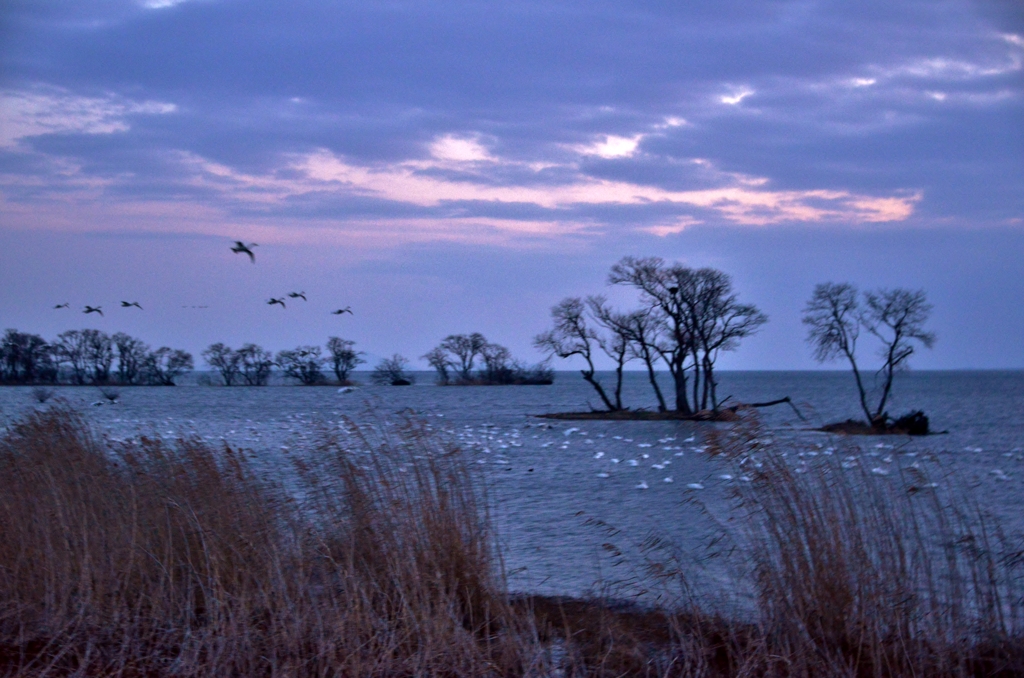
(454, 167)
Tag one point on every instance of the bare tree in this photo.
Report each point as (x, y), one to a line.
(458, 352)
(897, 318)
(71, 348)
(99, 355)
(835, 316)
(699, 317)
(640, 329)
(497, 368)
(465, 348)
(392, 371)
(164, 365)
(304, 364)
(617, 345)
(720, 322)
(832, 317)
(131, 357)
(572, 336)
(659, 287)
(25, 358)
(344, 358)
(438, 358)
(256, 363)
(225, 360)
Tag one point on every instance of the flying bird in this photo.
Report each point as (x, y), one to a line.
(241, 248)
(92, 309)
(298, 295)
(347, 309)
(277, 301)
(64, 305)
(125, 304)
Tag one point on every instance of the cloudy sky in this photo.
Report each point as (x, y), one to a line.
(458, 166)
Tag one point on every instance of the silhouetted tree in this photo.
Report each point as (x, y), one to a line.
(465, 348)
(896, 317)
(25, 358)
(642, 329)
(131, 357)
(344, 358)
(225, 360)
(700, 317)
(438, 358)
(392, 371)
(99, 355)
(832, 317)
(256, 363)
(164, 365)
(71, 348)
(571, 336)
(616, 344)
(497, 361)
(458, 353)
(303, 363)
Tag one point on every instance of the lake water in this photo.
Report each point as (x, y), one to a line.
(547, 478)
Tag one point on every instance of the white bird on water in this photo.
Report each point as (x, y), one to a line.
(642, 485)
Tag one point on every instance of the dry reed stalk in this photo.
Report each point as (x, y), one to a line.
(150, 559)
(864, 572)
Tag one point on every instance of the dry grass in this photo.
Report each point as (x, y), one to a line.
(151, 559)
(867, 571)
(147, 559)
(852, 574)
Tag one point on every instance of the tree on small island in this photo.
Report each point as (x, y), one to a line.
(344, 357)
(687, 318)
(835, 316)
(303, 364)
(455, 357)
(572, 336)
(392, 371)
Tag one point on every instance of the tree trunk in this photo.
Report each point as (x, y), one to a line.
(589, 378)
(860, 385)
(654, 383)
(618, 386)
(682, 404)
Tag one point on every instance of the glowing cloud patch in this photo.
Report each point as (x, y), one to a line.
(678, 226)
(51, 110)
(612, 147)
(458, 149)
(736, 97)
(161, 4)
(746, 200)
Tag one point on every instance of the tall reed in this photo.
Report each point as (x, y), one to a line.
(149, 558)
(850, 569)
(865, 568)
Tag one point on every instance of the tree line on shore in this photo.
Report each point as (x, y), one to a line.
(88, 356)
(92, 357)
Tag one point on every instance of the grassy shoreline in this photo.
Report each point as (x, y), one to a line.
(149, 558)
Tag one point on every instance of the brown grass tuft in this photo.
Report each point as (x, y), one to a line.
(149, 559)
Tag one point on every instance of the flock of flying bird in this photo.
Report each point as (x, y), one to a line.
(239, 248)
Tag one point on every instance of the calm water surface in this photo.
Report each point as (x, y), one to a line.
(549, 481)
